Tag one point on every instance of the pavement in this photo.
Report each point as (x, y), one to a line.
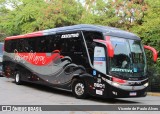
(153, 93)
(32, 94)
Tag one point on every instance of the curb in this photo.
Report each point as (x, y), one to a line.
(153, 94)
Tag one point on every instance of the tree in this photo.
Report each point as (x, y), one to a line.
(63, 12)
(150, 33)
(29, 16)
(24, 17)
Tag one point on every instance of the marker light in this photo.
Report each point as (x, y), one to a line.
(120, 81)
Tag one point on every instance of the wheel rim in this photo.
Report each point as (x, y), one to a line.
(79, 89)
(17, 77)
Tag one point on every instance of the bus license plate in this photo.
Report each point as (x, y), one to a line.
(132, 93)
(99, 92)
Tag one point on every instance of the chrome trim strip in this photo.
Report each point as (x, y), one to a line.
(62, 89)
(126, 87)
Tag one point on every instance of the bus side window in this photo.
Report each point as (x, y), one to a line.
(20, 45)
(53, 43)
(41, 44)
(74, 48)
(30, 45)
(23, 45)
(13, 45)
(9, 46)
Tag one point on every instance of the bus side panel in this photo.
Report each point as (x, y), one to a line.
(50, 60)
(58, 72)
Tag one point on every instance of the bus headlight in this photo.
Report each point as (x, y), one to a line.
(115, 84)
(146, 84)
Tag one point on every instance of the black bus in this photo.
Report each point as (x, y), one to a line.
(85, 59)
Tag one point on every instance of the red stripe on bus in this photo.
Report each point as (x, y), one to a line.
(30, 35)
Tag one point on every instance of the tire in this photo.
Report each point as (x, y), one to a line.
(18, 78)
(79, 89)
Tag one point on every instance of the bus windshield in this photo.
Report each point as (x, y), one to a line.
(129, 58)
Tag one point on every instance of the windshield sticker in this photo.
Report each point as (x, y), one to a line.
(135, 70)
(121, 70)
(70, 35)
(99, 58)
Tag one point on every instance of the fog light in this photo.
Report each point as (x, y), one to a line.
(115, 93)
(146, 84)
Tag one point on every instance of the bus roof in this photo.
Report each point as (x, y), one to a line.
(110, 31)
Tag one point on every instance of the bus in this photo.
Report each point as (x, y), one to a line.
(85, 59)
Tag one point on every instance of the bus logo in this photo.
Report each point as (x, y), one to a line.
(6, 108)
(94, 72)
(70, 35)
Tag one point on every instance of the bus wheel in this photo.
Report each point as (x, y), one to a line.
(79, 89)
(18, 78)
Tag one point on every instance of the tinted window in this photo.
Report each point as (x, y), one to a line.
(10, 45)
(48, 44)
(7, 45)
(69, 44)
(30, 45)
(74, 47)
(53, 43)
(21, 45)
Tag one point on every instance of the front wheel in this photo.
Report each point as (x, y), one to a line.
(18, 78)
(79, 89)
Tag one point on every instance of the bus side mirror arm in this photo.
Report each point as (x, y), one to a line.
(155, 53)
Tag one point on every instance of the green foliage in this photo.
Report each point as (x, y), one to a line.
(23, 18)
(150, 33)
(66, 12)
(28, 15)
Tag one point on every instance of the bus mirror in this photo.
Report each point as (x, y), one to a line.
(109, 46)
(110, 49)
(155, 53)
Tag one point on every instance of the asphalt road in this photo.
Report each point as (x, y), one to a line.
(32, 94)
